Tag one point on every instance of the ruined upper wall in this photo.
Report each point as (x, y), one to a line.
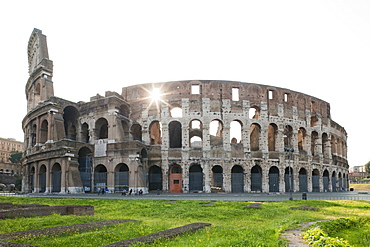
(174, 92)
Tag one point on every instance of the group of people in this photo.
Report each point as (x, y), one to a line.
(124, 192)
(103, 191)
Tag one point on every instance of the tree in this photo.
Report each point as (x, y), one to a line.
(367, 167)
(16, 157)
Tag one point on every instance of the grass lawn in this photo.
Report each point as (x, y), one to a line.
(233, 223)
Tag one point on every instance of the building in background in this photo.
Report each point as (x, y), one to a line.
(182, 136)
(8, 146)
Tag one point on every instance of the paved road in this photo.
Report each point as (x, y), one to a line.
(258, 197)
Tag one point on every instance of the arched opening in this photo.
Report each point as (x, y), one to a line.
(31, 178)
(70, 117)
(155, 178)
(333, 182)
(217, 179)
(42, 178)
(315, 180)
(302, 134)
(303, 187)
(56, 173)
(175, 178)
(314, 142)
(101, 127)
(272, 137)
(155, 132)
(325, 145)
(85, 161)
(256, 178)
(175, 132)
(85, 135)
(274, 179)
(196, 134)
(288, 179)
(44, 131)
(100, 177)
(136, 132)
(237, 179)
(33, 135)
(255, 132)
(195, 178)
(254, 112)
(121, 177)
(325, 179)
(340, 185)
(216, 133)
(288, 136)
(176, 112)
(235, 132)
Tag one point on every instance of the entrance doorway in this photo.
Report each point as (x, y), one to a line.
(175, 179)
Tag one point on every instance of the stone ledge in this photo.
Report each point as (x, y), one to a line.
(170, 233)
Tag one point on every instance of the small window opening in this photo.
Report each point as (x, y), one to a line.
(195, 89)
(285, 97)
(235, 94)
(271, 94)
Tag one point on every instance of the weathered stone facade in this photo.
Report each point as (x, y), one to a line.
(189, 136)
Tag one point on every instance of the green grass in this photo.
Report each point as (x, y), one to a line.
(233, 224)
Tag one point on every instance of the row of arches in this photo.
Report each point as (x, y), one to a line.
(240, 181)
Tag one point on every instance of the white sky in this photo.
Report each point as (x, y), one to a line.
(321, 48)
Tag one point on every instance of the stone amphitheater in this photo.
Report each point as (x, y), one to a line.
(182, 136)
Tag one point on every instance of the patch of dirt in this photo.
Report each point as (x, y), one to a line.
(294, 235)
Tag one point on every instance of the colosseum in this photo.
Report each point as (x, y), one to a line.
(178, 137)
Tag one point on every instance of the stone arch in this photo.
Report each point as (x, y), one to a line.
(315, 180)
(85, 163)
(255, 132)
(289, 179)
(70, 117)
(136, 132)
(195, 178)
(237, 179)
(101, 127)
(236, 132)
(325, 146)
(196, 133)
(155, 178)
(216, 132)
(175, 132)
(175, 178)
(254, 112)
(176, 111)
(302, 135)
(302, 177)
(85, 133)
(288, 136)
(100, 177)
(333, 182)
(274, 179)
(217, 179)
(256, 178)
(44, 129)
(42, 178)
(155, 132)
(56, 178)
(314, 142)
(121, 177)
(325, 179)
(272, 133)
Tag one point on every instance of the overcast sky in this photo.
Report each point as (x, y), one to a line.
(321, 48)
